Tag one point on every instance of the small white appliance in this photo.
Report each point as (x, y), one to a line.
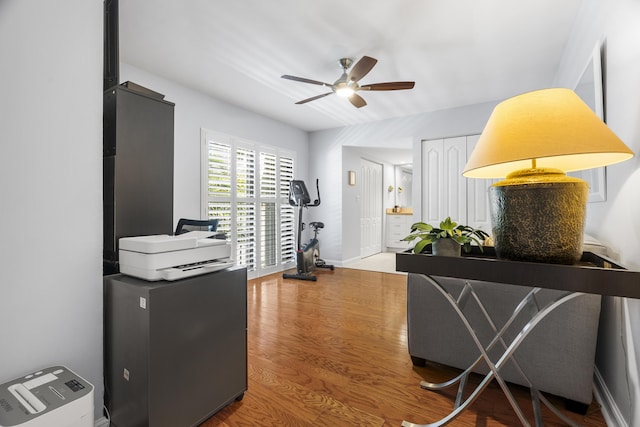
(54, 396)
(164, 257)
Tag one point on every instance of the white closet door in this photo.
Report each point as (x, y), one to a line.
(478, 215)
(370, 208)
(443, 186)
(455, 185)
(432, 180)
(445, 191)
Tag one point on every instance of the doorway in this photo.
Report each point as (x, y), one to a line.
(370, 208)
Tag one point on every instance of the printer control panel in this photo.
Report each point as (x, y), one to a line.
(74, 385)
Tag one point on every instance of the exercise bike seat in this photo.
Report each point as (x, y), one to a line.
(316, 225)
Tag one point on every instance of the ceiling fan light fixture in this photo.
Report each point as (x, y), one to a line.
(345, 91)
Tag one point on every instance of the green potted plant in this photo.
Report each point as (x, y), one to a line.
(447, 239)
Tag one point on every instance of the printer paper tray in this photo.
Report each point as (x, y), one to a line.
(176, 273)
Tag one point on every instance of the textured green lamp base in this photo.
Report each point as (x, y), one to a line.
(539, 217)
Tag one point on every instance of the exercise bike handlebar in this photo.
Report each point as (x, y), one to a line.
(316, 202)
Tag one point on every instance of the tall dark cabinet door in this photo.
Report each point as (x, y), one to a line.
(138, 168)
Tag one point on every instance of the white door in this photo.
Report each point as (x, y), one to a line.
(454, 201)
(443, 186)
(478, 215)
(432, 177)
(445, 191)
(370, 208)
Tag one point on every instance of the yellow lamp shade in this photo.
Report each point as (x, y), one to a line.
(554, 127)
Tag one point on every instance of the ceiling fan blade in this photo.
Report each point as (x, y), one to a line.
(303, 80)
(389, 86)
(304, 101)
(357, 100)
(362, 68)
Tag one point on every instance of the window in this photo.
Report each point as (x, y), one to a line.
(246, 187)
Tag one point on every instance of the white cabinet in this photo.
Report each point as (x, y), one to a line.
(445, 192)
(398, 227)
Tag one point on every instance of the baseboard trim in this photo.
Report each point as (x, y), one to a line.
(610, 411)
(346, 262)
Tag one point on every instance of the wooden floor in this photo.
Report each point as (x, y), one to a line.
(334, 353)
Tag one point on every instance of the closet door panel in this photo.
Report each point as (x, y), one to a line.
(478, 215)
(455, 187)
(445, 191)
(432, 180)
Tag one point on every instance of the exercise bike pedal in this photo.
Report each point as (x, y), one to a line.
(320, 263)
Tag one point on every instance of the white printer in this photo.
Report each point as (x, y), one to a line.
(164, 257)
(54, 396)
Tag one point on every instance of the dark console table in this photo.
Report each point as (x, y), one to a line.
(593, 274)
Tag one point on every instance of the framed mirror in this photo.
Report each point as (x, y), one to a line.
(589, 88)
(404, 184)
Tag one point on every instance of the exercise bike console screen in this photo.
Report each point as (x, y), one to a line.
(298, 194)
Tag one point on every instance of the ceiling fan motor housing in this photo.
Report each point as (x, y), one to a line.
(345, 63)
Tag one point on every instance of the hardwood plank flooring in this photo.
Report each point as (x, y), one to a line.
(334, 353)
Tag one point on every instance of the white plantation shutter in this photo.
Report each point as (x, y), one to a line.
(219, 169)
(245, 219)
(268, 235)
(245, 173)
(268, 176)
(222, 211)
(287, 213)
(218, 200)
(268, 217)
(286, 175)
(247, 190)
(246, 234)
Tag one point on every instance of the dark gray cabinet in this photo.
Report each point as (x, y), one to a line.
(175, 352)
(137, 166)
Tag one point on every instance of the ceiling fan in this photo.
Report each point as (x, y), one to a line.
(347, 85)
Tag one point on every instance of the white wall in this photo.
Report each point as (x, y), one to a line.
(51, 174)
(615, 221)
(194, 111)
(326, 162)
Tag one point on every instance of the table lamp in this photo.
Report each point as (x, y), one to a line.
(538, 212)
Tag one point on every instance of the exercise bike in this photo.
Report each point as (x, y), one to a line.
(307, 256)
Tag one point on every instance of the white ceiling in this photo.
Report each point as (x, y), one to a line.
(459, 52)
